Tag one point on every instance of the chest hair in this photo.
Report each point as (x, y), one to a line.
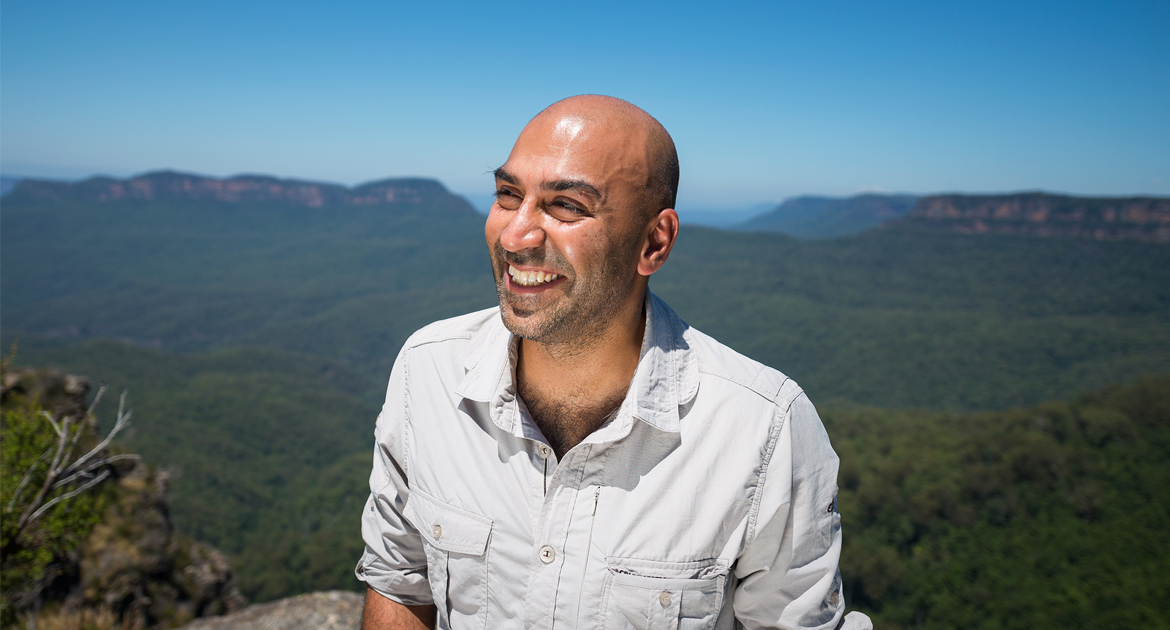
(567, 418)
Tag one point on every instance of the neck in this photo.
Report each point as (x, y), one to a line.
(570, 390)
(614, 350)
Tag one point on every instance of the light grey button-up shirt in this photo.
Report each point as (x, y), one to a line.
(708, 498)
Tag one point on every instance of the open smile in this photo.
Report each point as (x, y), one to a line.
(530, 279)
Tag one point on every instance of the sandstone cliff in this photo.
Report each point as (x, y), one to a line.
(169, 185)
(1042, 214)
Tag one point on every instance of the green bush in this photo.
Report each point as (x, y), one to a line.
(42, 522)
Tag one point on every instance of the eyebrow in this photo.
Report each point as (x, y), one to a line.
(500, 173)
(562, 185)
(559, 185)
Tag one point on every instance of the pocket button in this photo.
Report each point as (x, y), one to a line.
(437, 531)
(664, 599)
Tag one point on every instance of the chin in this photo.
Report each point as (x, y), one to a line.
(525, 324)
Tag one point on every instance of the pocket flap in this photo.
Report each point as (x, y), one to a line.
(447, 527)
(659, 569)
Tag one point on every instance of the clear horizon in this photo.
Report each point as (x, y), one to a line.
(765, 101)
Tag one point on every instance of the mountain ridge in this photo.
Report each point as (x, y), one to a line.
(244, 188)
(812, 216)
(1141, 218)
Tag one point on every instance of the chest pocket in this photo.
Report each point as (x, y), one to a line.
(456, 543)
(656, 595)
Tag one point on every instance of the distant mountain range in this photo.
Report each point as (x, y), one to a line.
(7, 184)
(1036, 213)
(827, 217)
(1042, 214)
(724, 218)
(806, 217)
(170, 185)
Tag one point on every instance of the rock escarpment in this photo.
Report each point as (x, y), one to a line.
(1041, 214)
(170, 185)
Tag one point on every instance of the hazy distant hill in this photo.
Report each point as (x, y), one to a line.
(1042, 214)
(169, 185)
(347, 281)
(723, 218)
(7, 184)
(826, 217)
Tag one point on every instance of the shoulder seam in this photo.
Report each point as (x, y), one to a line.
(771, 396)
(794, 391)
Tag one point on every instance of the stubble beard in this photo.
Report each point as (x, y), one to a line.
(579, 318)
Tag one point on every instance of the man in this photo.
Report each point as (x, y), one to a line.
(580, 457)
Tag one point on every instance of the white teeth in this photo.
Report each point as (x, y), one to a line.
(530, 278)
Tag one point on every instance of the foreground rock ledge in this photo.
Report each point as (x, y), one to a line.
(329, 610)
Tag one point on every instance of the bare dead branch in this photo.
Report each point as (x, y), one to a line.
(48, 416)
(122, 422)
(82, 468)
(93, 482)
(96, 397)
(89, 414)
(92, 466)
(50, 478)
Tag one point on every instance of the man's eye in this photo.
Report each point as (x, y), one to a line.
(566, 211)
(507, 199)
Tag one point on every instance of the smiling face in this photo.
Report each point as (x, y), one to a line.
(570, 226)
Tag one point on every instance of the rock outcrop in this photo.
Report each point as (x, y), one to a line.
(132, 569)
(1041, 214)
(331, 610)
(135, 564)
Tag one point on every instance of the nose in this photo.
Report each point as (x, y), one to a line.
(524, 229)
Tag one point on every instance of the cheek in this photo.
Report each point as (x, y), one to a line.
(494, 226)
(584, 250)
(575, 244)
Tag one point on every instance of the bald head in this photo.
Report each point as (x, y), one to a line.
(583, 216)
(622, 124)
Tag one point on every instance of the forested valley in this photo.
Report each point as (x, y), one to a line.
(1000, 402)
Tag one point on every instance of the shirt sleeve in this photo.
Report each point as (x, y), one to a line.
(394, 562)
(788, 575)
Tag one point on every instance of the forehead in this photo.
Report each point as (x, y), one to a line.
(607, 154)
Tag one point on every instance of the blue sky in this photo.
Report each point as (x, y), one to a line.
(765, 100)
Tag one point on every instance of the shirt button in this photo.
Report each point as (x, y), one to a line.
(544, 451)
(437, 531)
(664, 599)
(547, 554)
(835, 598)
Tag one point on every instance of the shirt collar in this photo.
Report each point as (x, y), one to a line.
(667, 376)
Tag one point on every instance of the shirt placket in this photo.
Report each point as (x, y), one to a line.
(548, 566)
